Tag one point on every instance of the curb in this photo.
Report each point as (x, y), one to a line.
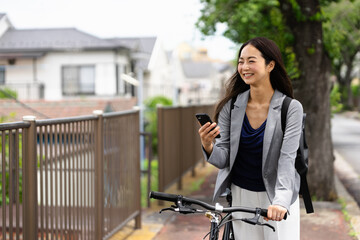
(342, 168)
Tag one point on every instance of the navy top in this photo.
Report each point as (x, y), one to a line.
(247, 169)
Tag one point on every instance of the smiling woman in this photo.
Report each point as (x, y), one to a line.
(256, 159)
(252, 67)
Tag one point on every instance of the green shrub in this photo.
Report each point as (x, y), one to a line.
(151, 117)
(5, 186)
(7, 93)
(144, 181)
(355, 88)
(335, 99)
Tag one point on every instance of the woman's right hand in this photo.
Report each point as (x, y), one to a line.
(207, 133)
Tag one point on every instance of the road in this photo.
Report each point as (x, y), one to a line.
(346, 139)
(346, 142)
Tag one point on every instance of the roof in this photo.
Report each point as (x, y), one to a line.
(36, 42)
(197, 69)
(139, 45)
(15, 40)
(25, 43)
(223, 66)
(12, 110)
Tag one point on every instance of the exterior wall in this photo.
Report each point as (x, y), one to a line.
(159, 79)
(4, 25)
(179, 79)
(20, 73)
(21, 77)
(47, 70)
(50, 71)
(124, 66)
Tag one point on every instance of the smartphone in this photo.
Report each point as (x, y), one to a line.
(204, 118)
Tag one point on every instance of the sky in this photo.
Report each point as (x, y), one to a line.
(172, 21)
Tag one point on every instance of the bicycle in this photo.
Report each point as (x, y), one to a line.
(183, 205)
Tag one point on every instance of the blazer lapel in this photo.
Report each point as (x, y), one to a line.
(274, 110)
(237, 118)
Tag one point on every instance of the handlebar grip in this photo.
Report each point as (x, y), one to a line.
(264, 213)
(163, 196)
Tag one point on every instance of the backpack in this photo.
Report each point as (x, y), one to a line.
(302, 156)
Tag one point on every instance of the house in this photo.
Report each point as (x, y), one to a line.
(199, 79)
(68, 65)
(62, 63)
(69, 70)
(153, 63)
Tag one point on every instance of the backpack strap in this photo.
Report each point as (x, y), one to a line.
(304, 188)
(284, 110)
(233, 99)
(305, 193)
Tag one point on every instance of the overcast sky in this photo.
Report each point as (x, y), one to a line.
(170, 20)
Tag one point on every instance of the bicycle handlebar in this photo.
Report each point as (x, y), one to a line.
(175, 198)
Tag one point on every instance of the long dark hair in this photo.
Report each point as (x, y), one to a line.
(279, 79)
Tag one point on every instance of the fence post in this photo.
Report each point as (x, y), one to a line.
(99, 175)
(179, 148)
(30, 209)
(160, 124)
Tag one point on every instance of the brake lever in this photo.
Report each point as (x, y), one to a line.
(167, 209)
(255, 220)
(183, 210)
(251, 221)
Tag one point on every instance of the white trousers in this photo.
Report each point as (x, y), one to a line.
(288, 229)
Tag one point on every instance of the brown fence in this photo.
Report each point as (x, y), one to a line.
(71, 178)
(179, 147)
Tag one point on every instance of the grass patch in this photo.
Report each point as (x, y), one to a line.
(314, 198)
(197, 184)
(342, 202)
(144, 181)
(347, 217)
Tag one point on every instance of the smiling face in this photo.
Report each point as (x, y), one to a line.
(252, 67)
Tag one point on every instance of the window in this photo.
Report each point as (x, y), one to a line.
(2, 75)
(78, 80)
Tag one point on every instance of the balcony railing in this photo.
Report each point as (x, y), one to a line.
(27, 91)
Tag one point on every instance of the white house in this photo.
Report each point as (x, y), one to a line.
(56, 64)
(199, 79)
(60, 64)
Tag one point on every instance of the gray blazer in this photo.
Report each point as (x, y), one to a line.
(282, 182)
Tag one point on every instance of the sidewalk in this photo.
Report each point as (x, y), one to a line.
(331, 220)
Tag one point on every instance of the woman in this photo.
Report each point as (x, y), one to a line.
(256, 159)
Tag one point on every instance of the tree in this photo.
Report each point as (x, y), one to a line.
(296, 26)
(342, 41)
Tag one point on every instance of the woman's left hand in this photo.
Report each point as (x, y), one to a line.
(276, 213)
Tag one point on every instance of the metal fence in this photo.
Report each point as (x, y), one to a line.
(71, 178)
(179, 147)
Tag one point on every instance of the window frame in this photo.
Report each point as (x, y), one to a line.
(79, 91)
